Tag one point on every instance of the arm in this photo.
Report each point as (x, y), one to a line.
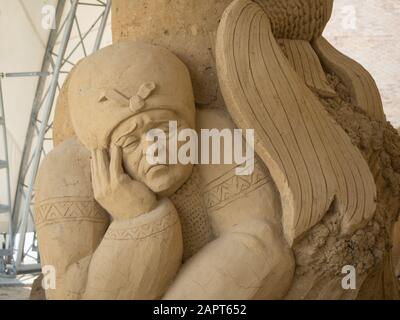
(91, 261)
(244, 263)
(70, 223)
(144, 238)
(249, 256)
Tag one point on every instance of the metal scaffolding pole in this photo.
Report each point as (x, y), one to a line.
(44, 120)
(40, 123)
(6, 251)
(103, 23)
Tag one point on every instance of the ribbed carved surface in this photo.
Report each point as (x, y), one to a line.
(311, 159)
(305, 62)
(297, 19)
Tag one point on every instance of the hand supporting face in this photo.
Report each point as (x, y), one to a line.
(118, 193)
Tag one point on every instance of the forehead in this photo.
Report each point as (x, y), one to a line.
(138, 122)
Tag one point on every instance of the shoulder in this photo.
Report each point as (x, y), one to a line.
(213, 118)
(65, 168)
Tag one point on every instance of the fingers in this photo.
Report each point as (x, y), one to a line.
(103, 165)
(100, 170)
(116, 169)
(93, 171)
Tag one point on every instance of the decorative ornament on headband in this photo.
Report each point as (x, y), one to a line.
(136, 102)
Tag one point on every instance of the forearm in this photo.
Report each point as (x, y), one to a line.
(238, 265)
(138, 257)
(68, 232)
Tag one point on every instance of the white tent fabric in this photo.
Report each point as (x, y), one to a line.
(23, 40)
(22, 45)
(367, 31)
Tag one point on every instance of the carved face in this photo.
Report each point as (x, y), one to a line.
(131, 137)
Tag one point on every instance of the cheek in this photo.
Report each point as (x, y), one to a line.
(184, 168)
(180, 173)
(167, 183)
(130, 163)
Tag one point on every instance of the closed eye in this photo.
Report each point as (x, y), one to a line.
(131, 143)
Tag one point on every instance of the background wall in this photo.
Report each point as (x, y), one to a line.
(368, 31)
(22, 45)
(23, 42)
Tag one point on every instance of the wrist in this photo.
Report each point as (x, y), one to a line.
(163, 211)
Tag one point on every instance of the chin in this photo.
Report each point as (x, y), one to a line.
(166, 183)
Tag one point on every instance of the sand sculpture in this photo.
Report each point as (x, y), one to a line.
(324, 193)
